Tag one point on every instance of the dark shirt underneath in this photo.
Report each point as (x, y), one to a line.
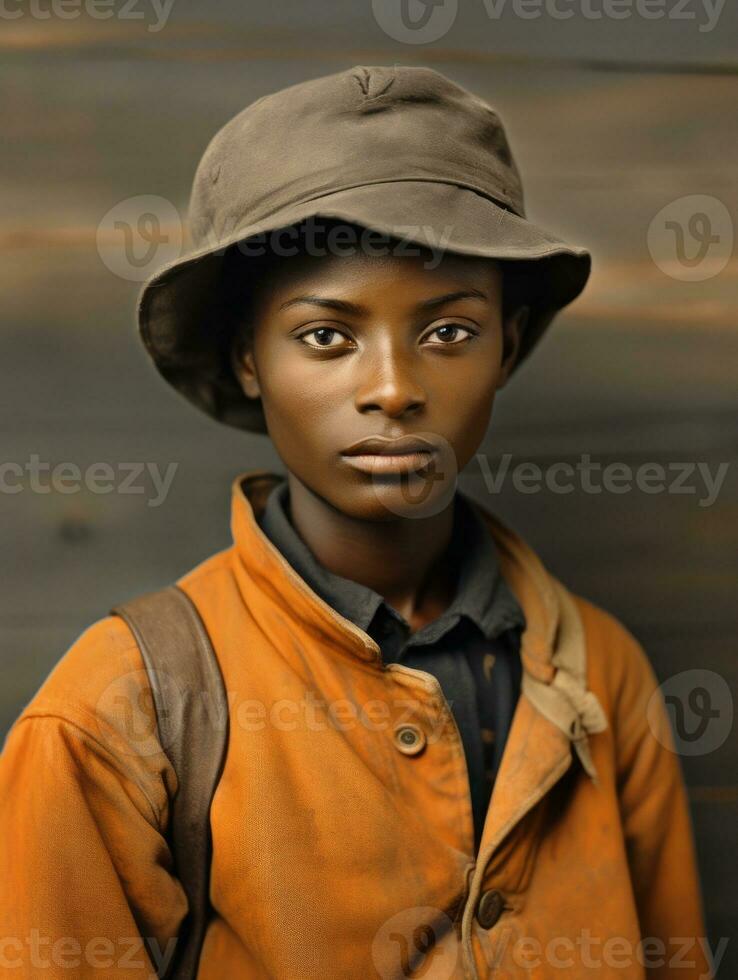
(472, 648)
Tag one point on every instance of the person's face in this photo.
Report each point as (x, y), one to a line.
(348, 348)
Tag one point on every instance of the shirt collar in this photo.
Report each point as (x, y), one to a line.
(482, 595)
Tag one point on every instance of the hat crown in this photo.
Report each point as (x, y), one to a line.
(366, 125)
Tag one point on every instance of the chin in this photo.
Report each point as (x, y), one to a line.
(387, 499)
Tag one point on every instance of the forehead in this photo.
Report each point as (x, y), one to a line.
(409, 267)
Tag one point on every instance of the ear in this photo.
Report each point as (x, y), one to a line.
(244, 367)
(512, 332)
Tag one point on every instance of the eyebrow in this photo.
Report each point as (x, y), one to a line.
(344, 306)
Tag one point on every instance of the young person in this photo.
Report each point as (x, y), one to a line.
(440, 761)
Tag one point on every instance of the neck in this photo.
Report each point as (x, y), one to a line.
(401, 559)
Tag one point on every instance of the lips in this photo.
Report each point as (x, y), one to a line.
(381, 446)
(378, 455)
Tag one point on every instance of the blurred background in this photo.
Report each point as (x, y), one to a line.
(624, 127)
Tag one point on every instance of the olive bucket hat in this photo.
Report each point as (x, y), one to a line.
(403, 151)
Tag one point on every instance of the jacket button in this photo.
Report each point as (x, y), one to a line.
(410, 739)
(490, 908)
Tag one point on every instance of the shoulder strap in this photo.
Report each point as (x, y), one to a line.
(192, 716)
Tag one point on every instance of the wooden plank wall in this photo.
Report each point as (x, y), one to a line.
(642, 369)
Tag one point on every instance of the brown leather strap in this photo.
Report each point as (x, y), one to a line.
(192, 715)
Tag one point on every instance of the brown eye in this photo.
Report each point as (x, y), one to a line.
(449, 333)
(323, 337)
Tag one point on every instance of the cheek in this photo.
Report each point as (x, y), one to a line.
(467, 405)
(301, 403)
(472, 426)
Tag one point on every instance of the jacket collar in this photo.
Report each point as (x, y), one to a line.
(482, 595)
(552, 646)
(258, 564)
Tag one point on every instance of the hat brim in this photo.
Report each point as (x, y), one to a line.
(187, 343)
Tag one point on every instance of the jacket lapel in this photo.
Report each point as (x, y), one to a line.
(555, 710)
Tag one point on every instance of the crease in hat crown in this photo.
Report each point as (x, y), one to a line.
(367, 125)
(402, 150)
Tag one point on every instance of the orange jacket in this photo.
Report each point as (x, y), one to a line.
(342, 824)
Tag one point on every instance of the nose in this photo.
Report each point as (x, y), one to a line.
(390, 385)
